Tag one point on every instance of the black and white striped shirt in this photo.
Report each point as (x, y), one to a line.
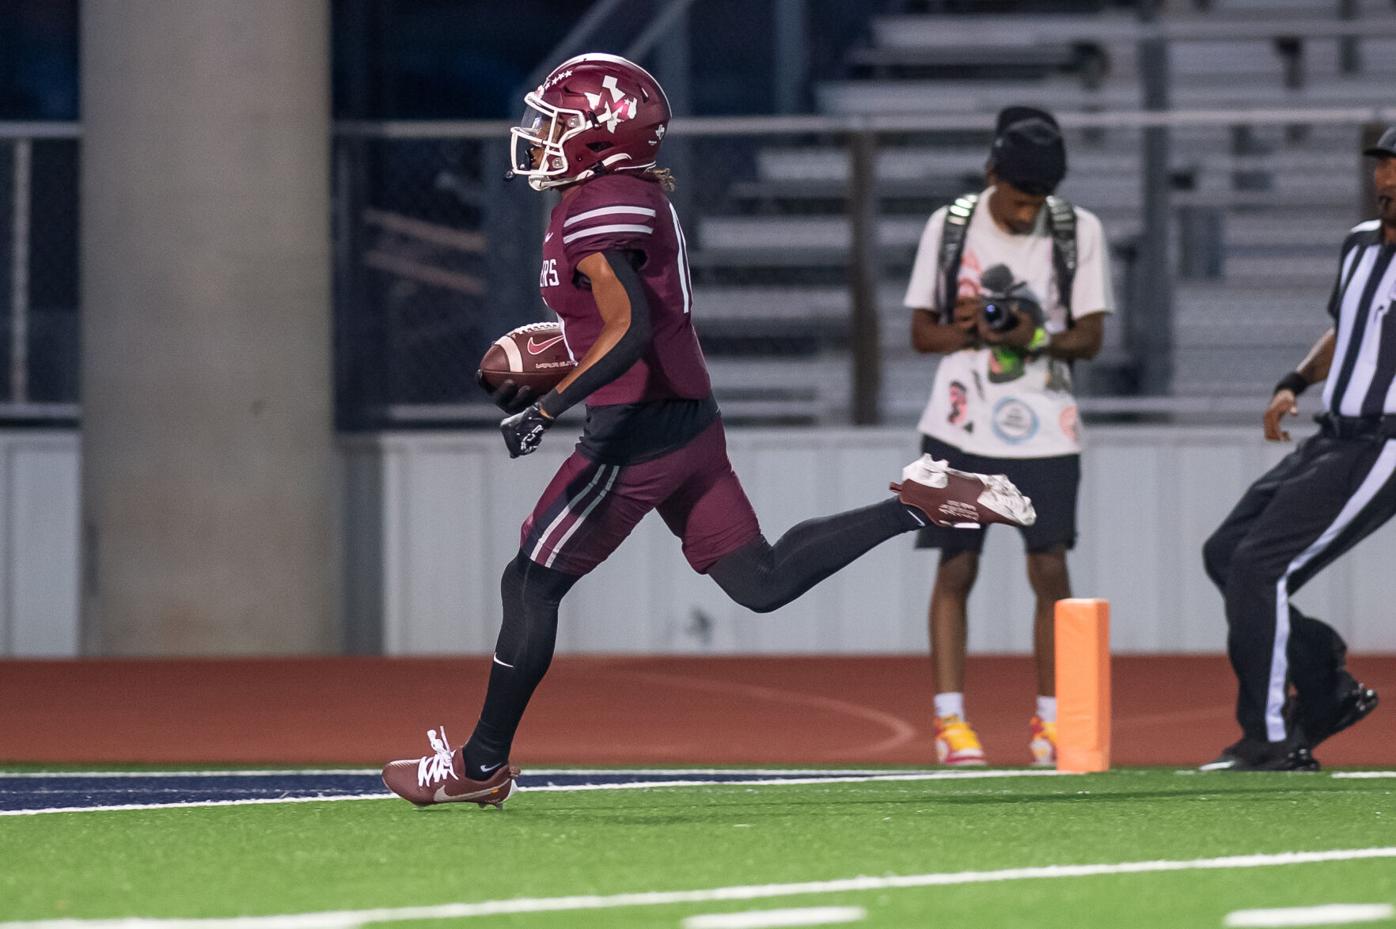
(1362, 380)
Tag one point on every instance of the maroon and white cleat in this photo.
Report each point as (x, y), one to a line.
(962, 499)
(440, 778)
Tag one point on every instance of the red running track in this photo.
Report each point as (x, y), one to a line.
(607, 710)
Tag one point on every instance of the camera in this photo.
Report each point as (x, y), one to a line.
(1002, 296)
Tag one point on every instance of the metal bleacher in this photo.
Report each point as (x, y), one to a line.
(1258, 205)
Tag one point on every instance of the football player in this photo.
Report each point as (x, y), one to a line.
(615, 271)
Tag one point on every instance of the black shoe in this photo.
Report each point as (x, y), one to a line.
(1253, 755)
(1353, 707)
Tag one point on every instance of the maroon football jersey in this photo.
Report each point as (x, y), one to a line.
(628, 213)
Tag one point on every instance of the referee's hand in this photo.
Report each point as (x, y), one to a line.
(1283, 402)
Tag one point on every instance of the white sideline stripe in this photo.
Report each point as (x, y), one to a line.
(311, 772)
(799, 781)
(241, 772)
(1331, 914)
(347, 919)
(765, 919)
(1359, 775)
(609, 211)
(602, 230)
(556, 788)
(194, 804)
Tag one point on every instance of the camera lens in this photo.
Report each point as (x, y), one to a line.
(998, 317)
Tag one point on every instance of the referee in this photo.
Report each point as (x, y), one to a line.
(1332, 491)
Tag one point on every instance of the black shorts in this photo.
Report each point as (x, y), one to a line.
(1050, 482)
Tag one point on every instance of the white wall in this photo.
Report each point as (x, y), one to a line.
(451, 506)
(38, 543)
(434, 518)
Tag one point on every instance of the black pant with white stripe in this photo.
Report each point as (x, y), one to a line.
(1316, 504)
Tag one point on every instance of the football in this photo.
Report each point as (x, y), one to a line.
(533, 356)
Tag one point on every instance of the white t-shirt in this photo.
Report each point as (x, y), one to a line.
(1004, 404)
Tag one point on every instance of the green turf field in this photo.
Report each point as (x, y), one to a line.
(931, 853)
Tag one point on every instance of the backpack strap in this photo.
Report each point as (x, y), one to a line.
(1061, 221)
(952, 250)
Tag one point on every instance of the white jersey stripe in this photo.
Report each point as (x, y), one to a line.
(1375, 480)
(602, 230)
(609, 211)
(682, 261)
(1370, 349)
(1347, 314)
(1364, 357)
(581, 517)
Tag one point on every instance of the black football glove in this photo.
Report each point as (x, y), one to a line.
(523, 432)
(509, 397)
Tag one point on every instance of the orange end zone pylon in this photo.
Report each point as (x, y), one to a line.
(1083, 685)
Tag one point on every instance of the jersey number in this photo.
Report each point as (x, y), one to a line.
(547, 277)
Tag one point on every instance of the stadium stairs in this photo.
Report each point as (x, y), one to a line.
(1257, 213)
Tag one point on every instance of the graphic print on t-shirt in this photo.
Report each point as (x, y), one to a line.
(1016, 405)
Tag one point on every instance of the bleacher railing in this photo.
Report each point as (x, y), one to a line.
(801, 232)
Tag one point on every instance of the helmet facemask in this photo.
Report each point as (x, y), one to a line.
(544, 128)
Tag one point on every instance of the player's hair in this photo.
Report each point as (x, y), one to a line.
(664, 176)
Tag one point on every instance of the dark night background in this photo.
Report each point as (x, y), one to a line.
(437, 59)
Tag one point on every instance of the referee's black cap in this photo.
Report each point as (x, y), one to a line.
(1028, 151)
(1385, 147)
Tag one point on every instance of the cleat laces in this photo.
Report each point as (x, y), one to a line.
(436, 767)
(999, 493)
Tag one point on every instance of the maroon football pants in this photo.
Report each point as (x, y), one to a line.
(589, 508)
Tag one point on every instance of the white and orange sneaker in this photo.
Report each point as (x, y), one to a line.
(957, 745)
(1043, 743)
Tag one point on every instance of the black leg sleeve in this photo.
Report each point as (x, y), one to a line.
(522, 655)
(764, 577)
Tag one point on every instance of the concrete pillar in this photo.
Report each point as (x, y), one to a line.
(209, 473)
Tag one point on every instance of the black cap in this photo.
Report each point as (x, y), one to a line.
(1385, 147)
(1028, 151)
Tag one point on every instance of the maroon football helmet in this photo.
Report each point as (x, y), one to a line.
(593, 114)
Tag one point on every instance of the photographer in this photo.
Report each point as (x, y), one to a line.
(1010, 286)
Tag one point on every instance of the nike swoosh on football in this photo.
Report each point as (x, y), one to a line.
(536, 348)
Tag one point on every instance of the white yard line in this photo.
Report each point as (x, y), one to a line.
(1331, 914)
(348, 919)
(562, 788)
(768, 919)
(1363, 775)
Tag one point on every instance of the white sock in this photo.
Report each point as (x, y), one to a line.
(1047, 709)
(950, 704)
